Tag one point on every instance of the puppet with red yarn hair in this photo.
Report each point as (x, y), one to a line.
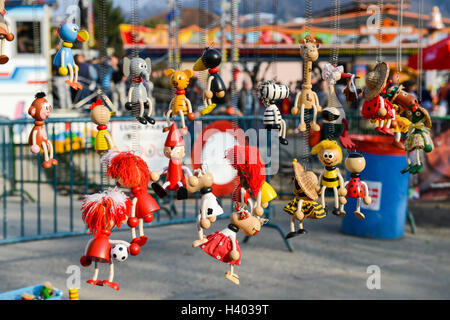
(102, 212)
(132, 172)
(252, 178)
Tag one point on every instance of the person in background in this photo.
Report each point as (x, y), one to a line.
(247, 99)
(87, 76)
(105, 68)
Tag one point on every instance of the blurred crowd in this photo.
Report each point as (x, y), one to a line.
(106, 73)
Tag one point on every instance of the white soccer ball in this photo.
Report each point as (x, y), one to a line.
(119, 252)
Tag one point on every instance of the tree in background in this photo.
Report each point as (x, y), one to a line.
(104, 9)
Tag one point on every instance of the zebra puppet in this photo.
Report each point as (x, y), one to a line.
(269, 92)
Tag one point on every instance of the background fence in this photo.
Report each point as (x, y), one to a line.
(39, 203)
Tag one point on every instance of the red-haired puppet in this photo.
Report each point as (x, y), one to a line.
(375, 107)
(252, 178)
(102, 212)
(40, 110)
(175, 179)
(132, 172)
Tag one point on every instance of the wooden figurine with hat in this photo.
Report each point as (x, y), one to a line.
(334, 113)
(100, 115)
(330, 154)
(375, 107)
(5, 33)
(306, 98)
(131, 171)
(101, 212)
(40, 110)
(180, 104)
(175, 180)
(401, 100)
(210, 207)
(223, 245)
(215, 87)
(304, 205)
(418, 137)
(355, 164)
(253, 189)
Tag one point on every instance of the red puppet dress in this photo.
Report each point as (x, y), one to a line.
(175, 174)
(355, 188)
(99, 248)
(145, 205)
(370, 109)
(219, 245)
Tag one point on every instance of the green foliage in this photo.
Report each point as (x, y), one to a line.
(109, 18)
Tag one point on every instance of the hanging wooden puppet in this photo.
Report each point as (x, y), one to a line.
(375, 107)
(269, 92)
(40, 110)
(224, 246)
(101, 212)
(138, 100)
(210, 207)
(401, 100)
(215, 87)
(5, 33)
(418, 137)
(252, 190)
(180, 104)
(304, 205)
(69, 33)
(355, 164)
(330, 154)
(100, 115)
(131, 171)
(307, 99)
(175, 180)
(334, 113)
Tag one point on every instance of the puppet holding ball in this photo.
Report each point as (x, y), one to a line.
(180, 104)
(223, 245)
(355, 164)
(40, 110)
(304, 205)
(131, 171)
(102, 212)
(202, 181)
(330, 154)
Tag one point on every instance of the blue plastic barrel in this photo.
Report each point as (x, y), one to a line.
(386, 216)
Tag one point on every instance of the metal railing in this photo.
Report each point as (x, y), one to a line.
(39, 203)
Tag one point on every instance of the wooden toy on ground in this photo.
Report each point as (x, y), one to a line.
(334, 113)
(355, 164)
(269, 92)
(209, 205)
(330, 154)
(138, 100)
(5, 33)
(69, 33)
(223, 245)
(304, 205)
(131, 171)
(215, 87)
(180, 104)
(175, 180)
(306, 98)
(375, 107)
(418, 137)
(101, 212)
(40, 110)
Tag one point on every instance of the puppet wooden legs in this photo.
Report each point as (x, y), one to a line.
(110, 282)
(411, 167)
(230, 275)
(3, 59)
(201, 237)
(73, 77)
(48, 155)
(94, 280)
(338, 210)
(302, 125)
